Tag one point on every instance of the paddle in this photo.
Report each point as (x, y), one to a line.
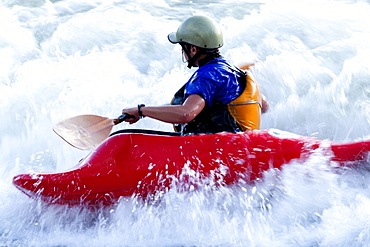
(87, 131)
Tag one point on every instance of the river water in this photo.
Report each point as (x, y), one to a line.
(64, 58)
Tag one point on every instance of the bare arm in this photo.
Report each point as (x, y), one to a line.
(265, 104)
(184, 113)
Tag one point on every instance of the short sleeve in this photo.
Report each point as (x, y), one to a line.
(204, 87)
(214, 82)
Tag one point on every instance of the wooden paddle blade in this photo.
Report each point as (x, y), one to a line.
(85, 131)
(246, 66)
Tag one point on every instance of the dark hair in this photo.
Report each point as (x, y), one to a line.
(210, 54)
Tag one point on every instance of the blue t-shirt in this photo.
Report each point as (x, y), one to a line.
(215, 81)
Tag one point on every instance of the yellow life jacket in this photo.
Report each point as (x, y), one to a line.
(246, 108)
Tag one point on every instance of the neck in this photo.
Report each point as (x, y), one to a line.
(206, 59)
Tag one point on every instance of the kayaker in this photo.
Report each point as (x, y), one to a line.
(210, 101)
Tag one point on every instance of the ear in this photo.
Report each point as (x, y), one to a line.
(193, 49)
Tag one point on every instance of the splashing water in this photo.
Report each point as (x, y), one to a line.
(64, 58)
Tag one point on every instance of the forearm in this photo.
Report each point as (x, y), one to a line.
(265, 104)
(168, 114)
(192, 106)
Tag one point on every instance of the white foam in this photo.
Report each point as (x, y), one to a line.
(64, 58)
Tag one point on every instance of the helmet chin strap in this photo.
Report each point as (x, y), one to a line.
(191, 60)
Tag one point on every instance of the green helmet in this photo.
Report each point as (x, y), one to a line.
(199, 31)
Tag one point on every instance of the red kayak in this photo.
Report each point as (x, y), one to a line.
(140, 164)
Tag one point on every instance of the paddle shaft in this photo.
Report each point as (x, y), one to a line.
(122, 118)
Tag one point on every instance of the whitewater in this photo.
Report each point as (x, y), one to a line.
(60, 59)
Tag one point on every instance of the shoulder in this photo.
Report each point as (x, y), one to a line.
(218, 63)
(214, 70)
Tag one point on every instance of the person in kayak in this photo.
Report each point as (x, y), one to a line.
(218, 97)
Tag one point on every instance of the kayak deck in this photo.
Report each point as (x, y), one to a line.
(140, 164)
